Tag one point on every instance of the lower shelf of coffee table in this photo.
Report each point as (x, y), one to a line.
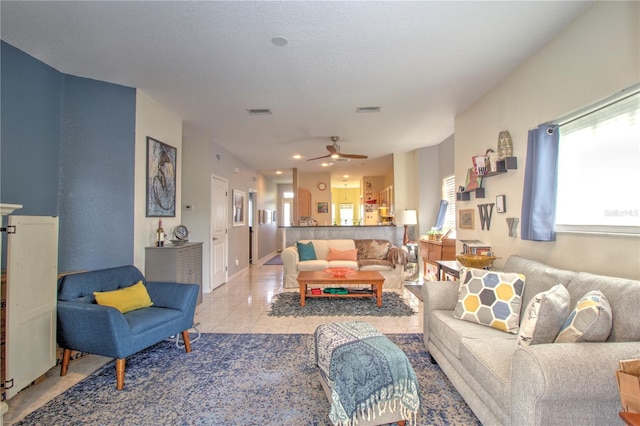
(353, 292)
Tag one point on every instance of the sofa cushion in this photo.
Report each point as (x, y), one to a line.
(374, 265)
(306, 251)
(450, 331)
(313, 265)
(143, 320)
(322, 246)
(349, 254)
(544, 316)
(590, 320)
(489, 362)
(543, 277)
(125, 299)
(351, 264)
(490, 298)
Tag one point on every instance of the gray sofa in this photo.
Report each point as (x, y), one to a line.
(544, 384)
(391, 268)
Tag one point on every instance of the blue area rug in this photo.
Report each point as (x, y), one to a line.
(232, 379)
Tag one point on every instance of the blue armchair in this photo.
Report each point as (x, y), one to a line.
(88, 327)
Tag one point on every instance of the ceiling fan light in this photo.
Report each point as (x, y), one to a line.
(335, 156)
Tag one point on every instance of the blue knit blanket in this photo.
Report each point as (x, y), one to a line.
(366, 372)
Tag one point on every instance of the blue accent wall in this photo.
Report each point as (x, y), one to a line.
(30, 130)
(97, 163)
(68, 150)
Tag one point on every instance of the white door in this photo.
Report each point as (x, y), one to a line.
(219, 208)
(32, 273)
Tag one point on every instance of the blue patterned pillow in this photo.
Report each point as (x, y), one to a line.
(306, 251)
(590, 321)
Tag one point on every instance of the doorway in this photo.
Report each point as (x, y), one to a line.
(251, 220)
(218, 253)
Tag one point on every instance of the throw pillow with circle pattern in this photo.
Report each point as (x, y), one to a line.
(590, 321)
(544, 316)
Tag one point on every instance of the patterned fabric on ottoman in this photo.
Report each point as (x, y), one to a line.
(366, 372)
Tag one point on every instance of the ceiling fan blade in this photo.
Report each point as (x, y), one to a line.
(332, 149)
(354, 156)
(317, 158)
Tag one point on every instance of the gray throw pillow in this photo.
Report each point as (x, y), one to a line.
(544, 316)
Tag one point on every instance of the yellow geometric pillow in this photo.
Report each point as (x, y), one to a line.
(490, 298)
(125, 299)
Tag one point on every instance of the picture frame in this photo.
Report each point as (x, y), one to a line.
(161, 178)
(274, 216)
(466, 218)
(501, 204)
(322, 207)
(238, 198)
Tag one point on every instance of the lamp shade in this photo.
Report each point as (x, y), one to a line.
(407, 217)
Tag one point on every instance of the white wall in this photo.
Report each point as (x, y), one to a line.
(594, 57)
(205, 159)
(153, 120)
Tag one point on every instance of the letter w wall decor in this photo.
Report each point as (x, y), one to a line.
(486, 211)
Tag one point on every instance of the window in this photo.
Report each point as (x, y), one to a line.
(449, 194)
(599, 169)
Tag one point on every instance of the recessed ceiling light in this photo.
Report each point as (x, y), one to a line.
(369, 109)
(278, 172)
(297, 156)
(279, 41)
(346, 176)
(326, 164)
(259, 111)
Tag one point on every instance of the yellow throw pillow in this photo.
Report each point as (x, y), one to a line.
(125, 299)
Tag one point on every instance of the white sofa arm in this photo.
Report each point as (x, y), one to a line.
(548, 378)
(290, 258)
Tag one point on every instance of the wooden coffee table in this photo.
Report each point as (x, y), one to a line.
(372, 278)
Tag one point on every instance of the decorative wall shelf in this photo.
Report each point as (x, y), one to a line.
(504, 165)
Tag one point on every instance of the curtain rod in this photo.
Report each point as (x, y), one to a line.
(621, 95)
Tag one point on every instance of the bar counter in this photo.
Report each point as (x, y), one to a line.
(291, 234)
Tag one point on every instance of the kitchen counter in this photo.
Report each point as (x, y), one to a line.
(291, 234)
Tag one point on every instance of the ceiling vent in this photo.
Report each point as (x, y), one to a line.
(368, 109)
(259, 111)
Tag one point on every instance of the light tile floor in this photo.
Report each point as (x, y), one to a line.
(239, 306)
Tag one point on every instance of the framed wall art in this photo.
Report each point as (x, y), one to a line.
(465, 219)
(238, 207)
(161, 179)
(323, 207)
(274, 216)
(501, 204)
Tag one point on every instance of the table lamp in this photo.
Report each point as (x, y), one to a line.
(406, 218)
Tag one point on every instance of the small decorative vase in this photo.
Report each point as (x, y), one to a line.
(505, 144)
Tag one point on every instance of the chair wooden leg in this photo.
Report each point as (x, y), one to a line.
(120, 362)
(66, 357)
(187, 341)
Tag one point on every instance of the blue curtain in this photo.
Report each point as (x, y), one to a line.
(540, 184)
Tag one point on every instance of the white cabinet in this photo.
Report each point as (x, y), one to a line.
(31, 294)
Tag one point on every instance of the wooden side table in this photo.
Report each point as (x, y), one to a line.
(630, 419)
(448, 267)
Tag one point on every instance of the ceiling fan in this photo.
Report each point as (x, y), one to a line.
(334, 152)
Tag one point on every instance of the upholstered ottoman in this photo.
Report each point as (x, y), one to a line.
(368, 380)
